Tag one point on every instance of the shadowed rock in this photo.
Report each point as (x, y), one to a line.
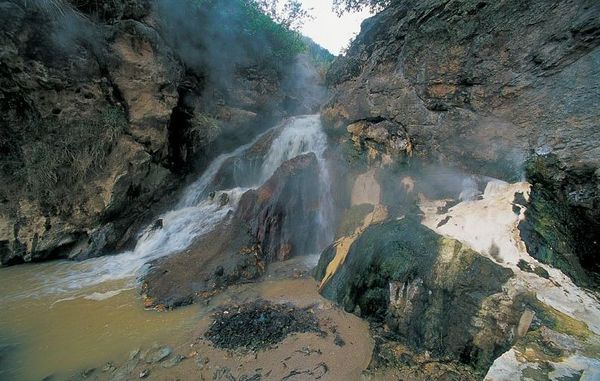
(282, 214)
(429, 289)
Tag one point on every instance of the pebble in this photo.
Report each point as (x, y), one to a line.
(133, 354)
(158, 355)
(109, 367)
(144, 373)
(201, 362)
(173, 361)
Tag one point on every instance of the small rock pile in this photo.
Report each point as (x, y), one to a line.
(259, 324)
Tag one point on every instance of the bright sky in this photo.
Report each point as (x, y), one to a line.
(329, 30)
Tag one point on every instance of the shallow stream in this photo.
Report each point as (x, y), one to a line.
(62, 317)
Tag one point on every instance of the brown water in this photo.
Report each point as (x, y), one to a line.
(50, 326)
(60, 333)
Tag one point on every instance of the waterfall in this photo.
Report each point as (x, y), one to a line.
(305, 134)
(301, 135)
(197, 212)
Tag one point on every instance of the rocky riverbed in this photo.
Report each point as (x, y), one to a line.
(301, 336)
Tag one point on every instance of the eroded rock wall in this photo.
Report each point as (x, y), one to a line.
(102, 118)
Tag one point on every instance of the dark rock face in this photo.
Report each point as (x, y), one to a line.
(282, 214)
(430, 290)
(102, 117)
(556, 230)
(481, 85)
(271, 223)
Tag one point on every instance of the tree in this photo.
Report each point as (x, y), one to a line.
(342, 6)
(289, 13)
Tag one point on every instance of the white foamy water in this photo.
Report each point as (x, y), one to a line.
(301, 135)
(195, 215)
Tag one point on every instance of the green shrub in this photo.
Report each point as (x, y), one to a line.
(59, 156)
(268, 43)
(282, 44)
(203, 130)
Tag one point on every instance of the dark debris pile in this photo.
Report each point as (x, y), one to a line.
(259, 324)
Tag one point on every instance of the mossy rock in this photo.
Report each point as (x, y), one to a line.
(427, 288)
(538, 270)
(554, 336)
(555, 319)
(554, 232)
(352, 219)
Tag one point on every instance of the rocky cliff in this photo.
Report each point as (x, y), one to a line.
(502, 89)
(441, 110)
(108, 105)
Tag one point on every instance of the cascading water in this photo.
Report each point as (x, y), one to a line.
(305, 134)
(196, 214)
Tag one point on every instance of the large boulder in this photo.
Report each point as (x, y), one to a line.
(272, 223)
(435, 293)
(283, 213)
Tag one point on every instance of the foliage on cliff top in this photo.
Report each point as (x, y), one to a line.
(221, 36)
(343, 6)
(289, 13)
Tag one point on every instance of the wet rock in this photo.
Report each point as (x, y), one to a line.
(124, 371)
(399, 271)
(538, 270)
(134, 354)
(222, 257)
(555, 231)
(108, 367)
(273, 222)
(158, 224)
(258, 325)
(282, 214)
(223, 199)
(338, 340)
(175, 360)
(554, 344)
(156, 355)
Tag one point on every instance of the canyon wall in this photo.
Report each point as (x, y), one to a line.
(107, 106)
(502, 89)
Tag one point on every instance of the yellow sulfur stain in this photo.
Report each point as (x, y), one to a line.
(342, 245)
